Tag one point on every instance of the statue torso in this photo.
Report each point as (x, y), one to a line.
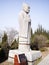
(24, 19)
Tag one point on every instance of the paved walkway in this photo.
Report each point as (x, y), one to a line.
(45, 61)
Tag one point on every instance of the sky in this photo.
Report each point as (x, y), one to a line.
(9, 10)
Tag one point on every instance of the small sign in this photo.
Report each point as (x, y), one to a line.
(23, 59)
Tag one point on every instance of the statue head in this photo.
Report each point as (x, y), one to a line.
(26, 8)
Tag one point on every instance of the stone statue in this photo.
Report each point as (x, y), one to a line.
(25, 26)
(24, 39)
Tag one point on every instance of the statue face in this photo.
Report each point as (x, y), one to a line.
(26, 8)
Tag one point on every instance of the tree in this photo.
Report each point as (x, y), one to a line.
(4, 45)
(4, 40)
(14, 45)
(40, 40)
(39, 30)
(11, 34)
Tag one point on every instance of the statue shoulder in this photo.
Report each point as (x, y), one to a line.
(22, 13)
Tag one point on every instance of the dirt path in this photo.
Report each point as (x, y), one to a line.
(45, 53)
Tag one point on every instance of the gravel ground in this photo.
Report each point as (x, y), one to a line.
(6, 63)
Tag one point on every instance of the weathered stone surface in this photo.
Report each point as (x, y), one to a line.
(25, 28)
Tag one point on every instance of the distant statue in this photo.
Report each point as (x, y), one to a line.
(25, 25)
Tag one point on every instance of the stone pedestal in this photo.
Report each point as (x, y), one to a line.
(31, 56)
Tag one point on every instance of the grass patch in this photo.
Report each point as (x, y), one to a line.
(43, 49)
(37, 61)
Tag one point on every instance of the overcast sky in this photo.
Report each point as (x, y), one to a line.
(9, 10)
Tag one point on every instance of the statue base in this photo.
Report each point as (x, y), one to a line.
(30, 55)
